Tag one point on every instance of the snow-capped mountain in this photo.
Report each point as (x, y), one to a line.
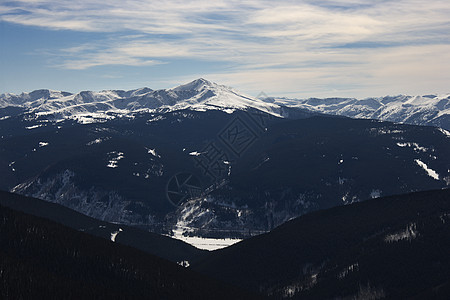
(254, 170)
(202, 95)
(431, 110)
(88, 106)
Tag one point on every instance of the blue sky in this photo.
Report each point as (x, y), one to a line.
(354, 48)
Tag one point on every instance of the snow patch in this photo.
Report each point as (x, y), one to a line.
(114, 234)
(182, 229)
(196, 153)
(114, 160)
(153, 152)
(90, 118)
(97, 141)
(429, 171)
(408, 234)
(43, 144)
(445, 132)
(345, 197)
(34, 126)
(209, 244)
(415, 146)
(184, 263)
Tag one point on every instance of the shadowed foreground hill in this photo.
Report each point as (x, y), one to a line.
(394, 247)
(40, 259)
(159, 245)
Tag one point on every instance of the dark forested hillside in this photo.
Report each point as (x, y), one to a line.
(395, 247)
(159, 245)
(275, 169)
(40, 259)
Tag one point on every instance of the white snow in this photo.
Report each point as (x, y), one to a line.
(418, 110)
(97, 141)
(43, 144)
(153, 152)
(195, 153)
(415, 146)
(408, 234)
(209, 244)
(113, 162)
(97, 107)
(34, 126)
(91, 117)
(11, 166)
(429, 171)
(184, 263)
(445, 132)
(344, 197)
(114, 234)
(181, 228)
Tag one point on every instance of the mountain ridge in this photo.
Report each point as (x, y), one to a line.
(391, 247)
(42, 259)
(431, 110)
(199, 94)
(159, 245)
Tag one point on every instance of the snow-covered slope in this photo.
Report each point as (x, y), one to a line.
(418, 110)
(201, 95)
(88, 106)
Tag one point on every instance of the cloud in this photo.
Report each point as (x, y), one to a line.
(282, 41)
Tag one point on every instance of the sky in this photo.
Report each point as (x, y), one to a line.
(304, 48)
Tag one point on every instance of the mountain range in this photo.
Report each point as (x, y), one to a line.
(88, 106)
(315, 199)
(201, 94)
(253, 165)
(430, 110)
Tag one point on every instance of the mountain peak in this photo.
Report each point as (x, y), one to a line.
(196, 85)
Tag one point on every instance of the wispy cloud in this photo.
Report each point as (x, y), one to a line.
(321, 42)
